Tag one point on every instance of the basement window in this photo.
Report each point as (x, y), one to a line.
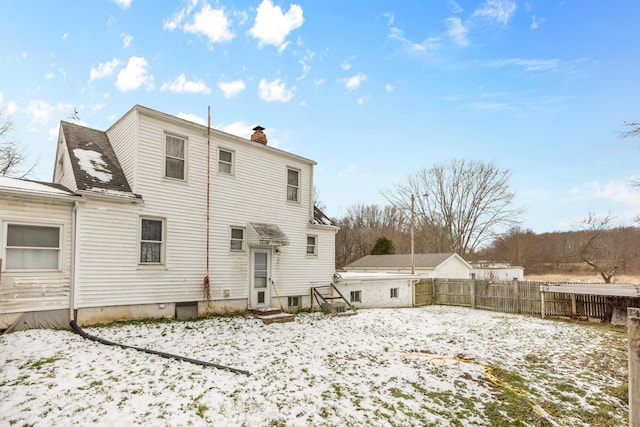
(394, 292)
(32, 247)
(356, 296)
(293, 301)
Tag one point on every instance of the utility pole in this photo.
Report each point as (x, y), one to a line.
(413, 263)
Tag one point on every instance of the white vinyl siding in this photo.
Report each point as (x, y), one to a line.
(225, 161)
(175, 157)
(34, 290)
(293, 185)
(32, 247)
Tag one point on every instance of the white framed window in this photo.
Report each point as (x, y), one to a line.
(293, 301)
(312, 244)
(356, 296)
(237, 239)
(225, 161)
(152, 241)
(32, 247)
(293, 185)
(175, 157)
(394, 292)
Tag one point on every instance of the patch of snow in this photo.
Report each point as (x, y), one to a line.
(92, 163)
(380, 367)
(30, 186)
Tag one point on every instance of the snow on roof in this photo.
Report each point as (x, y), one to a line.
(33, 186)
(92, 163)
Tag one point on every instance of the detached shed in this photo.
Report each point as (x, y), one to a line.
(439, 265)
(377, 290)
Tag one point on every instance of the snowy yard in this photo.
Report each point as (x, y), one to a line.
(436, 366)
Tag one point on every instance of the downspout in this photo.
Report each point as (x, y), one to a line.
(311, 197)
(206, 284)
(73, 312)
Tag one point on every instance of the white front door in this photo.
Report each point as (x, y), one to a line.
(260, 278)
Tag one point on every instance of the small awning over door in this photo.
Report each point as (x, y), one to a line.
(266, 235)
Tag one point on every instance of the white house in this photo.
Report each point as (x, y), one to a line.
(166, 215)
(377, 290)
(438, 265)
(485, 270)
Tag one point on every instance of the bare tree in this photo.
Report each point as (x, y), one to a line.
(633, 131)
(602, 247)
(458, 205)
(12, 156)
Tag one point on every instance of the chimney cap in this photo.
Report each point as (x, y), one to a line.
(258, 128)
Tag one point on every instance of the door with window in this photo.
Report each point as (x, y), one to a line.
(260, 278)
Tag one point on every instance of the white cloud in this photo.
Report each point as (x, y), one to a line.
(134, 75)
(12, 107)
(231, 89)
(39, 112)
(345, 66)
(540, 65)
(239, 128)
(104, 69)
(125, 4)
(192, 118)
(272, 26)
(389, 87)
(65, 36)
(212, 23)
(182, 85)
(496, 10)
(535, 22)
(352, 83)
(305, 64)
(274, 91)
(351, 169)
(431, 44)
(456, 7)
(176, 20)
(126, 39)
(49, 76)
(458, 31)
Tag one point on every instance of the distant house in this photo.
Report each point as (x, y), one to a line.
(440, 265)
(484, 270)
(123, 230)
(377, 290)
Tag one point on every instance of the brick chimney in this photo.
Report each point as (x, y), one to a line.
(258, 135)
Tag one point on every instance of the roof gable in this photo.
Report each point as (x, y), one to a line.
(401, 260)
(94, 163)
(319, 218)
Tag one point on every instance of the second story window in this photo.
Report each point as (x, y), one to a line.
(293, 185)
(175, 158)
(225, 161)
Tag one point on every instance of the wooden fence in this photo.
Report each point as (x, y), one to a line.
(509, 297)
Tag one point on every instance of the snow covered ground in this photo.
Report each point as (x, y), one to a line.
(418, 366)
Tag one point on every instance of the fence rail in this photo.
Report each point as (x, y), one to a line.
(510, 297)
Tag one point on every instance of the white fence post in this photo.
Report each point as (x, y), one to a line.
(633, 322)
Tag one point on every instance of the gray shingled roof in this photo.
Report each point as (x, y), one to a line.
(320, 218)
(399, 261)
(95, 165)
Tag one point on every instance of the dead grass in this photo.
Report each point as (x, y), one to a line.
(585, 278)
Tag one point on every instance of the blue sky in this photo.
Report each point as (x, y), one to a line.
(371, 90)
